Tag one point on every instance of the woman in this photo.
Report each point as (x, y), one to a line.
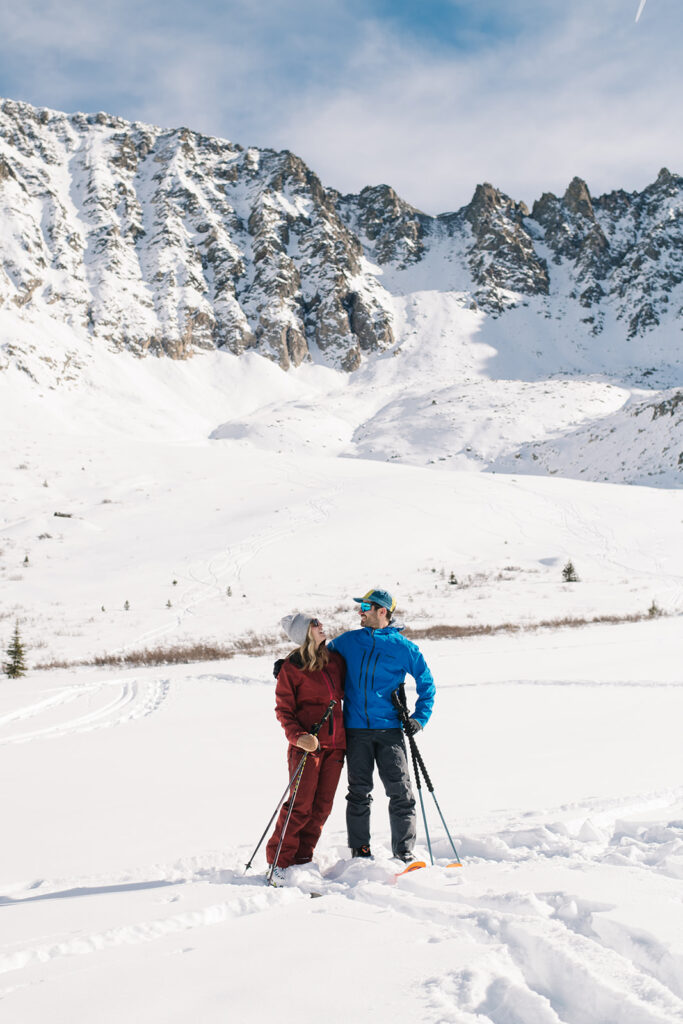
(307, 680)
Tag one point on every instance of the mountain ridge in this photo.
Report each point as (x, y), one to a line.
(174, 241)
(494, 337)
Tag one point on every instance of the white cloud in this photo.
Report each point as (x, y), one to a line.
(567, 89)
(597, 99)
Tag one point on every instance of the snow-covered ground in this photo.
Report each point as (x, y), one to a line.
(131, 802)
(213, 496)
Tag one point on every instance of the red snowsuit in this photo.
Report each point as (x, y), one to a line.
(301, 699)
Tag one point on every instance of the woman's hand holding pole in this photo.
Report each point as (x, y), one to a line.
(308, 742)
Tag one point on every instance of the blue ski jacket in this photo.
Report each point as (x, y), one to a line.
(377, 661)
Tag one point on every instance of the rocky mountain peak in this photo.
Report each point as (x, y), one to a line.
(573, 234)
(488, 204)
(502, 258)
(395, 229)
(168, 241)
(577, 200)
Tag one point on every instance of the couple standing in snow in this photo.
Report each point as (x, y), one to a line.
(364, 667)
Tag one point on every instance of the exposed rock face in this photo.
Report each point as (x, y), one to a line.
(645, 231)
(171, 241)
(502, 257)
(395, 230)
(623, 250)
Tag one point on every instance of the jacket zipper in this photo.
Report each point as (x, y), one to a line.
(360, 680)
(367, 717)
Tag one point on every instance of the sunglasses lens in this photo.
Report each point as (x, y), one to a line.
(365, 606)
(315, 622)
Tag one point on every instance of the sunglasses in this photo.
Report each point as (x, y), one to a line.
(365, 606)
(316, 622)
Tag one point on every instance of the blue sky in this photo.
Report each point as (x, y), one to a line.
(430, 97)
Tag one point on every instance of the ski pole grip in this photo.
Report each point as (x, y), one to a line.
(330, 708)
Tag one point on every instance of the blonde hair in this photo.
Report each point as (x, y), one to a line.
(312, 657)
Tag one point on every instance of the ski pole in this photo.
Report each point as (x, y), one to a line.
(279, 805)
(302, 765)
(314, 731)
(399, 702)
(403, 715)
(430, 787)
(414, 752)
(272, 867)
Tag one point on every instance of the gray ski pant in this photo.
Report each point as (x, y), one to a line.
(385, 748)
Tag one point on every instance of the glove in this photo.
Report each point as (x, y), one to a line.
(412, 726)
(308, 742)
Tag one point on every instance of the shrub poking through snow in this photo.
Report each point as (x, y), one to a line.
(14, 666)
(654, 611)
(569, 574)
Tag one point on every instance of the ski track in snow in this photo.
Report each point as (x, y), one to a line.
(130, 699)
(536, 957)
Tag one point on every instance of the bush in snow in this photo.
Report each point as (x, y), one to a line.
(569, 574)
(14, 666)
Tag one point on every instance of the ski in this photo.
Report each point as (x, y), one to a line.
(274, 885)
(416, 864)
(411, 867)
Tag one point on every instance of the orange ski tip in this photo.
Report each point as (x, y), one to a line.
(455, 864)
(411, 867)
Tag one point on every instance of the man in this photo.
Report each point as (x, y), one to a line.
(377, 659)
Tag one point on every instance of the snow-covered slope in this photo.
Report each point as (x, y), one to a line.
(473, 337)
(641, 443)
(153, 501)
(133, 801)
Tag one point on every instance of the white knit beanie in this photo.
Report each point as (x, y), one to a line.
(296, 627)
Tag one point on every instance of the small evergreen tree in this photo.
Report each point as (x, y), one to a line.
(569, 574)
(15, 666)
(126, 605)
(654, 611)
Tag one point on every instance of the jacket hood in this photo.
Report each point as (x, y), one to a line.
(295, 659)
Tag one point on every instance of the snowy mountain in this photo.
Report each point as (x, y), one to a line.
(167, 240)
(196, 495)
(490, 338)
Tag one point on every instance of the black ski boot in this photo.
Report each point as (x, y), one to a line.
(361, 851)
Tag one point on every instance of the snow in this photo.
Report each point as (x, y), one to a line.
(557, 765)
(133, 797)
